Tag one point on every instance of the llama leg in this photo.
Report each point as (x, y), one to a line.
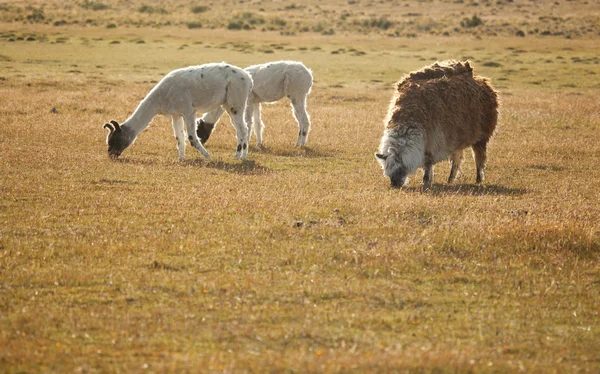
(427, 176)
(241, 131)
(179, 135)
(258, 123)
(303, 119)
(248, 119)
(456, 159)
(207, 123)
(480, 156)
(190, 123)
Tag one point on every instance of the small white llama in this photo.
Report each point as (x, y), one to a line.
(180, 94)
(272, 81)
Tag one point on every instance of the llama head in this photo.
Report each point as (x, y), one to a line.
(401, 152)
(204, 130)
(393, 168)
(117, 139)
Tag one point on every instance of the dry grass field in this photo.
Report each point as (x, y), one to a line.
(298, 259)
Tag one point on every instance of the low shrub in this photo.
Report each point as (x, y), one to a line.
(471, 22)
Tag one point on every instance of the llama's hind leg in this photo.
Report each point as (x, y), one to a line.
(190, 124)
(427, 176)
(480, 156)
(302, 117)
(179, 133)
(241, 131)
(456, 158)
(248, 111)
(258, 123)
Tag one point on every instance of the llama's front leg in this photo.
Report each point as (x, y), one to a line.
(241, 131)
(179, 135)
(427, 176)
(190, 124)
(303, 119)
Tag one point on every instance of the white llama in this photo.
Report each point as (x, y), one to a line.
(272, 81)
(180, 94)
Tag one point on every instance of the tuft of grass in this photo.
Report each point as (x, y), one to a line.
(94, 5)
(36, 16)
(492, 64)
(245, 21)
(474, 21)
(194, 25)
(380, 23)
(237, 25)
(152, 9)
(200, 9)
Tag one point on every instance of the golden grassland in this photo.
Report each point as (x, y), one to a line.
(406, 18)
(296, 260)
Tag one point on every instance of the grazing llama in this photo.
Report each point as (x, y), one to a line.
(272, 82)
(180, 94)
(435, 113)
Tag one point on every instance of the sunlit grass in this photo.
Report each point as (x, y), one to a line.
(300, 260)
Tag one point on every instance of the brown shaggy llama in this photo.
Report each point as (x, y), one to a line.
(435, 113)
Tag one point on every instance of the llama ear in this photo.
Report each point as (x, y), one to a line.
(380, 156)
(116, 124)
(109, 127)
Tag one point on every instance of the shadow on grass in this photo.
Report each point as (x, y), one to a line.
(113, 182)
(135, 161)
(469, 190)
(246, 167)
(292, 151)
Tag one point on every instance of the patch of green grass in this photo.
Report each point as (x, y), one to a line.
(382, 23)
(94, 5)
(149, 9)
(474, 21)
(200, 9)
(194, 25)
(37, 15)
(245, 21)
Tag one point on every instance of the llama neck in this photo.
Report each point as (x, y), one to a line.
(143, 114)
